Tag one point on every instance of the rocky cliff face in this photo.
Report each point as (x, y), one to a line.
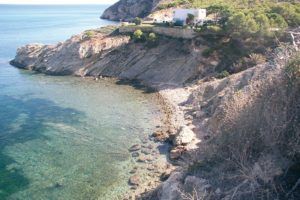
(173, 62)
(75, 54)
(126, 10)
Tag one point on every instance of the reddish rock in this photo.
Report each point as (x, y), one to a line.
(142, 159)
(177, 152)
(134, 180)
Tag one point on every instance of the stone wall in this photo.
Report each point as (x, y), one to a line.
(131, 29)
(167, 31)
(175, 32)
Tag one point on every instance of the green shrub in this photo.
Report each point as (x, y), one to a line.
(247, 62)
(173, 4)
(152, 40)
(277, 21)
(220, 13)
(256, 59)
(241, 25)
(292, 69)
(138, 35)
(89, 34)
(263, 24)
(190, 18)
(214, 28)
(152, 37)
(137, 21)
(207, 52)
(289, 12)
(223, 74)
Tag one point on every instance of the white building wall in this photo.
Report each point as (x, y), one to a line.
(182, 14)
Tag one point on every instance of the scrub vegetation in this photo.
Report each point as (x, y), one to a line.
(243, 32)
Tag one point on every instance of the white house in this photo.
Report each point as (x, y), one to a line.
(180, 16)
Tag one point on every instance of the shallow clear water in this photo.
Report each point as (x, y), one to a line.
(63, 137)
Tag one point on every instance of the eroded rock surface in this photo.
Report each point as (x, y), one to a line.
(171, 63)
(126, 10)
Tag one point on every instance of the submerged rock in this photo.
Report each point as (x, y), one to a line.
(135, 147)
(134, 180)
(133, 171)
(142, 158)
(146, 151)
(135, 154)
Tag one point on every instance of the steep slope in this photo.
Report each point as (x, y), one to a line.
(126, 10)
(248, 128)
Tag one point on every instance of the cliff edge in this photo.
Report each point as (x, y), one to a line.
(173, 62)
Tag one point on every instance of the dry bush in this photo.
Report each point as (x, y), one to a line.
(257, 153)
(195, 195)
(256, 59)
(247, 62)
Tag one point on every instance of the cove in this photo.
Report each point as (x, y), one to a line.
(64, 137)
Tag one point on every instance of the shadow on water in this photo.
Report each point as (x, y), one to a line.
(21, 121)
(137, 85)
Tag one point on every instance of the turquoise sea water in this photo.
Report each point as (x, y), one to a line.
(63, 137)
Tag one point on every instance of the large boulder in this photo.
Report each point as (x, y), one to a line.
(171, 188)
(184, 136)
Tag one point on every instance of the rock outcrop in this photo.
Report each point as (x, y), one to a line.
(172, 62)
(127, 10)
(68, 57)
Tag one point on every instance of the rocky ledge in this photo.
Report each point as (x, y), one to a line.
(171, 63)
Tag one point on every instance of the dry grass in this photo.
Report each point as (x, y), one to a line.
(259, 140)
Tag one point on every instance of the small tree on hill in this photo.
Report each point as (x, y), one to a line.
(138, 21)
(241, 25)
(138, 35)
(152, 37)
(221, 13)
(264, 25)
(152, 40)
(190, 19)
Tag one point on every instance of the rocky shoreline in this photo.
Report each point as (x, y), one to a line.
(205, 119)
(150, 171)
(147, 154)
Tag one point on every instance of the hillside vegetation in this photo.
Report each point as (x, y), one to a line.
(248, 123)
(243, 32)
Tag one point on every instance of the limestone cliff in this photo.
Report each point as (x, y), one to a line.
(172, 62)
(126, 10)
